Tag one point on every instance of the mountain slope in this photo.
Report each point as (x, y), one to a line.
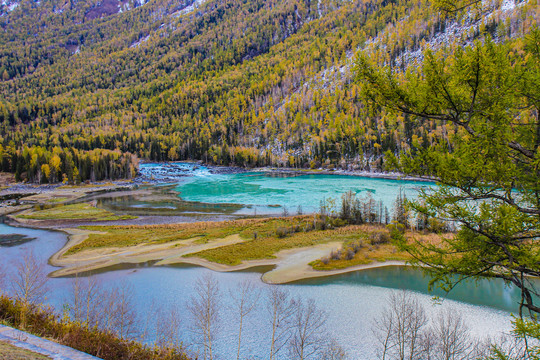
(250, 82)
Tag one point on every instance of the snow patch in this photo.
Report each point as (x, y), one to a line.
(124, 6)
(462, 31)
(140, 41)
(195, 5)
(508, 5)
(10, 5)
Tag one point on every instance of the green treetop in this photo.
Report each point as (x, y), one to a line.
(486, 161)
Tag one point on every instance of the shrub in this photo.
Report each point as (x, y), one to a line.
(397, 230)
(321, 224)
(45, 323)
(379, 237)
(436, 225)
(336, 255)
(357, 246)
(282, 232)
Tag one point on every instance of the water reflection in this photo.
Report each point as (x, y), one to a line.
(353, 301)
(494, 292)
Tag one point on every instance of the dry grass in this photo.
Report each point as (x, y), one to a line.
(85, 186)
(370, 251)
(80, 211)
(365, 256)
(125, 236)
(266, 247)
(10, 352)
(263, 237)
(6, 178)
(57, 200)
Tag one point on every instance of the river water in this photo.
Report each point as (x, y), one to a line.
(353, 301)
(270, 193)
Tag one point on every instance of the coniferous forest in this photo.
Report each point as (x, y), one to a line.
(87, 87)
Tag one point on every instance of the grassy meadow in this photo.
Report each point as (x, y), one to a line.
(263, 239)
(80, 211)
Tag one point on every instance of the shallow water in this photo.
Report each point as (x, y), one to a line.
(250, 193)
(353, 301)
(266, 193)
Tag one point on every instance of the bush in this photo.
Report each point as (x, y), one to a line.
(321, 224)
(397, 230)
(43, 322)
(336, 255)
(337, 222)
(379, 237)
(357, 245)
(436, 225)
(282, 232)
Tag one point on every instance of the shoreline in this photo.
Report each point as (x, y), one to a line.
(288, 265)
(365, 174)
(223, 169)
(37, 193)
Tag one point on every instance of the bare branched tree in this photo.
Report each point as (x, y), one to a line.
(308, 331)
(168, 327)
(505, 347)
(85, 302)
(451, 338)
(2, 279)
(281, 309)
(333, 351)
(244, 300)
(29, 282)
(403, 333)
(400, 328)
(119, 315)
(204, 308)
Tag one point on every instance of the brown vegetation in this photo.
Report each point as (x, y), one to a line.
(10, 352)
(106, 345)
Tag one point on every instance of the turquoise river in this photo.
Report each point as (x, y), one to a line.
(353, 301)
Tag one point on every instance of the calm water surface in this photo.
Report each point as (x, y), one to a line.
(353, 301)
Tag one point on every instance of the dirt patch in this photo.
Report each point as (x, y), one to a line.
(94, 259)
(11, 352)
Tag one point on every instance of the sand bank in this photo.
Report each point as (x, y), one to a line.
(289, 265)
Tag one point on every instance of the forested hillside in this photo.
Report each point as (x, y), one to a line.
(250, 83)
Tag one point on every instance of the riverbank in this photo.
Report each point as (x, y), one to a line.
(223, 246)
(359, 173)
(175, 171)
(19, 194)
(129, 225)
(14, 195)
(288, 265)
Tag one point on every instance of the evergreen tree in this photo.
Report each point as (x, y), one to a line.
(488, 96)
